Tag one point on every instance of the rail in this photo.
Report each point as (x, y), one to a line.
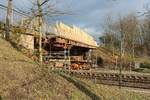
(127, 80)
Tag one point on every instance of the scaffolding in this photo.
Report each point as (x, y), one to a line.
(58, 59)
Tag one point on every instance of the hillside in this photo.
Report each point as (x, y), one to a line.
(21, 78)
(106, 54)
(109, 61)
(105, 57)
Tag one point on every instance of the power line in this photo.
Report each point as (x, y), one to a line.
(26, 12)
(44, 2)
(19, 12)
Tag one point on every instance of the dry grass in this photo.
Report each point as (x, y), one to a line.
(114, 93)
(22, 79)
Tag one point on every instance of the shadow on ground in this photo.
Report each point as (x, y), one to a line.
(82, 88)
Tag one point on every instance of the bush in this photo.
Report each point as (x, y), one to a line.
(138, 69)
(145, 65)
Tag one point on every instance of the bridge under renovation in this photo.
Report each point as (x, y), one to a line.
(62, 45)
(67, 47)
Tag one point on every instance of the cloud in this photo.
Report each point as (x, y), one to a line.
(89, 14)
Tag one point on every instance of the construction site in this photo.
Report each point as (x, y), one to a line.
(63, 52)
(63, 46)
(58, 45)
(67, 47)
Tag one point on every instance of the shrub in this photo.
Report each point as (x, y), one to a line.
(138, 69)
(145, 65)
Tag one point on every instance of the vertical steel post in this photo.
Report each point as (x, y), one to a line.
(121, 53)
(69, 59)
(90, 61)
(65, 56)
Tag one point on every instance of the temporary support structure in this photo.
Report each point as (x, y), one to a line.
(66, 47)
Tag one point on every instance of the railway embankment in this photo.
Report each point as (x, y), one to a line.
(22, 78)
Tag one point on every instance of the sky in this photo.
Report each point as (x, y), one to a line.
(90, 15)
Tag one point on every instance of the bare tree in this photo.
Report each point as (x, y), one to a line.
(40, 11)
(8, 19)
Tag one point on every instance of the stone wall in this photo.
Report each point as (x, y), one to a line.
(27, 41)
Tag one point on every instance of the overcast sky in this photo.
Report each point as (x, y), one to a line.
(90, 14)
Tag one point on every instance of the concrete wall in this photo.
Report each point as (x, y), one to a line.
(27, 41)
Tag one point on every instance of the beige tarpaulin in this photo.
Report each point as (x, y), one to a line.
(70, 32)
(73, 33)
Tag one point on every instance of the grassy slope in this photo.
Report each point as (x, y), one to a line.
(108, 92)
(21, 78)
(114, 93)
(105, 55)
(105, 92)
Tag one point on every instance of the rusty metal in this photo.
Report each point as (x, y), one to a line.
(128, 80)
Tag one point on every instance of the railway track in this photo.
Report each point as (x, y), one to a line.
(127, 80)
